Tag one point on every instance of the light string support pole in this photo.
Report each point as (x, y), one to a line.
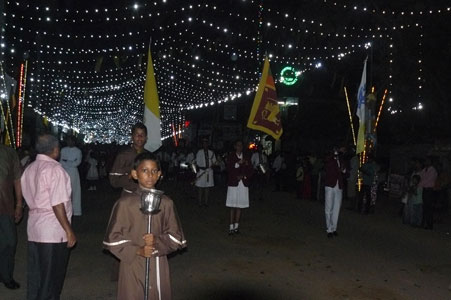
(259, 29)
(19, 106)
(8, 109)
(23, 102)
(380, 109)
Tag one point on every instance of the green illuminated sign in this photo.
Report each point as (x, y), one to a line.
(289, 75)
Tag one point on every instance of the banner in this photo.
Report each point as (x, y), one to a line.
(265, 113)
(151, 108)
(361, 111)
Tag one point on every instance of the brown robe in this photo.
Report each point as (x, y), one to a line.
(120, 171)
(124, 237)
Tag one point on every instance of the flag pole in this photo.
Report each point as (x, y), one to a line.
(350, 117)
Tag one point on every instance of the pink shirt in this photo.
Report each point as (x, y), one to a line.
(45, 184)
(428, 177)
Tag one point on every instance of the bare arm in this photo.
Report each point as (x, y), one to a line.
(60, 213)
(19, 203)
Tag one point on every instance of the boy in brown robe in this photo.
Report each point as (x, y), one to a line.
(119, 175)
(126, 236)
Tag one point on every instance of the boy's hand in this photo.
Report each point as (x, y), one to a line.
(149, 240)
(148, 249)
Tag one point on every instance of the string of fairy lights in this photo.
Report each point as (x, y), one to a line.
(95, 85)
(419, 106)
(359, 8)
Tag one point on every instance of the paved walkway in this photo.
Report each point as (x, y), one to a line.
(282, 253)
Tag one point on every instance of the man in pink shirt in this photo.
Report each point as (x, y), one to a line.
(46, 188)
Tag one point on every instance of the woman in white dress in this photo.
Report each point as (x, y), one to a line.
(239, 169)
(70, 159)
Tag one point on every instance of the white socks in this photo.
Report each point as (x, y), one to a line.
(233, 226)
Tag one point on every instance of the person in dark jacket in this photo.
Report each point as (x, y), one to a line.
(334, 168)
(239, 170)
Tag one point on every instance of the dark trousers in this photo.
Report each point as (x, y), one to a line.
(47, 263)
(428, 207)
(8, 242)
(365, 199)
(315, 186)
(258, 185)
(278, 180)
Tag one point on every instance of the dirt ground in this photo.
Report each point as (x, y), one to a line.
(281, 253)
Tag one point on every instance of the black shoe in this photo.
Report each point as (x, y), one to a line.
(231, 232)
(335, 233)
(330, 235)
(236, 231)
(12, 285)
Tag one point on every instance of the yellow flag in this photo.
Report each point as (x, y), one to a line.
(265, 112)
(7, 139)
(151, 108)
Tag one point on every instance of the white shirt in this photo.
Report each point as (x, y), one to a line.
(200, 158)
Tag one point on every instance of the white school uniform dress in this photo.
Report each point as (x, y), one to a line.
(238, 196)
(205, 176)
(93, 173)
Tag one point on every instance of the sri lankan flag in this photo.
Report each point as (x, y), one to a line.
(151, 109)
(265, 113)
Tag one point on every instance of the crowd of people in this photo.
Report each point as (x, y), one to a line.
(426, 192)
(51, 181)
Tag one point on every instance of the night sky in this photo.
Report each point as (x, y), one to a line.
(87, 60)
